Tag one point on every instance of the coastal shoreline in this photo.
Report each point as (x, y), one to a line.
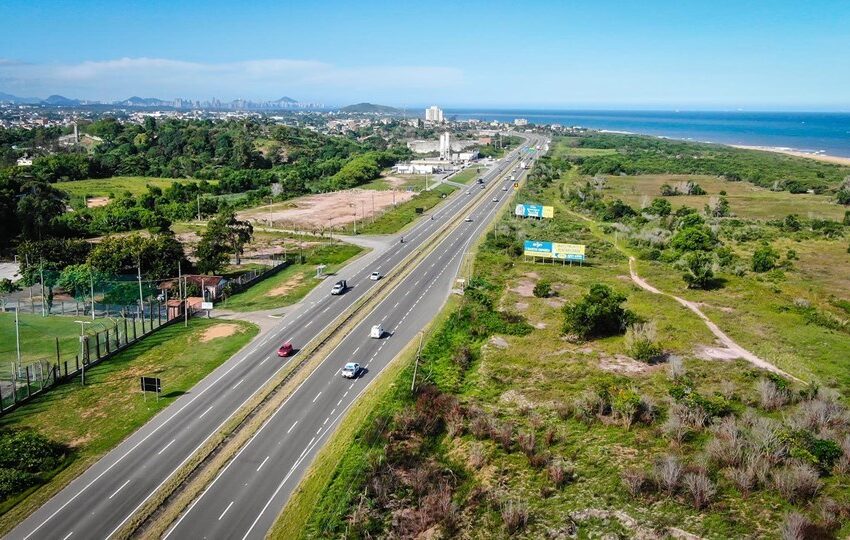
(797, 153)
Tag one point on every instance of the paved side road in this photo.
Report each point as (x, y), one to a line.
(244, 499)
(104, 497)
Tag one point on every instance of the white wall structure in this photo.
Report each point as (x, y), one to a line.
(446, 145)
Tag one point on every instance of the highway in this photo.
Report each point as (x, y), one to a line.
(244, 499)
(104, 497)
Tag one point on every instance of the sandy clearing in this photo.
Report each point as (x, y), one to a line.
(498, 342)
(620, 363)
(287, 286)
(327, 210)
(524, 288)
(96, 202)
(219, 331)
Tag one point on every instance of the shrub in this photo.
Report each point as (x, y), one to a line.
(527, 443)
(696, 238)
(699, 270)
(598, 313)
(795, 527)
(13, 481)
(771, 395)
(28, 451)
(635, 481)
(764, 258)
(641, 342)
(630, 407)
(560, 472)
(675, 368)
(668, 472)
(542, 289)
(515, 515)
(797, 482)
(587, 406)
(700, 488)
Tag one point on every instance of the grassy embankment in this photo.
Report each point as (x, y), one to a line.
(534, 387)
(292, 283)
(93, 419)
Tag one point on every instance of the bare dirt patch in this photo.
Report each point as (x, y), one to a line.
(287, 286)
(621, 363)
(516, 398)
(327, 210)
(556, 303)
(219, 331)
(524, 288)
(498, 342)
(96, 202)
(706, 352)
(521, 306)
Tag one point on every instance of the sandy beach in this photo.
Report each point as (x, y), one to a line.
(811, 155)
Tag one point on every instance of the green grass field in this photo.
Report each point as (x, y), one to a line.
(38, 337)
(95, 418)
(102, 187)
(467, 175)
(395, 219)
(745, 199)
(292, 283)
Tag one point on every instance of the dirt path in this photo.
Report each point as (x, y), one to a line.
(734, 350)
(729, 343)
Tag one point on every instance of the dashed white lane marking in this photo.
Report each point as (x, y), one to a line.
(263, 463)
(205, 412)
(164, 448)
(237, 384)
(265, 360)
(333, 411)
(396, 304)
(318, 431)
(345, 394)
(325, 422)
(293, 425)
(119, 489)
(225, 510)
(308, 324)
(317, 396)
(67, 536)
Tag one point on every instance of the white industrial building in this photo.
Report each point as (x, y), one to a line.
(520, 122)
(445, 145)
(434, 114)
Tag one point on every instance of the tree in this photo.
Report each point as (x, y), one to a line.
(699, 270)
(39, 204)
(659, 207)
(843, 197)
(78, 280)
(598, 313)
(717, 207)
(693, 239)
(764, 258)
(224, 235)
(157, 256)
(542, 289)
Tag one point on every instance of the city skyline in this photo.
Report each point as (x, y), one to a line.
(540, 55)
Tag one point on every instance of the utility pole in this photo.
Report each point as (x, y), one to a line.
(141, 299)
(41, 273)
(18, 335)
(83, 351)
(91, 285)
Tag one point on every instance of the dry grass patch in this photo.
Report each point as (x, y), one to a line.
(218, 331)
(287, 286)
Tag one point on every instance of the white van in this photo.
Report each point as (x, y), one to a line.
(377, 332)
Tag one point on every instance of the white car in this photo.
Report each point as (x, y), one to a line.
(351, 370)
(495, 199)
(375, 276)
(504, 188)
(377, 332)
(468, 219)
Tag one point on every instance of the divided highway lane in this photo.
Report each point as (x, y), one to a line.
(100, 500)
(244, 499)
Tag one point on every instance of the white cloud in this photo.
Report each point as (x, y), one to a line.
(255, 79)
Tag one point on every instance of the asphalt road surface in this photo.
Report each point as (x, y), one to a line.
(243, 501)
(105, 496)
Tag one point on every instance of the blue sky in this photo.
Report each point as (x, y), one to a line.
(571, 54)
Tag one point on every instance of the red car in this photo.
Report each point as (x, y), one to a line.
(285, 349)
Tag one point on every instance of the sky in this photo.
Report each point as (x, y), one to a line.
(650, 54)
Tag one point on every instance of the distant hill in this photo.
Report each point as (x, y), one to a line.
(137, 101)
(60, 101)
(9, 98)
(370, 108)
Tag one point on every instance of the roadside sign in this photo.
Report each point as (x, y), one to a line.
(151, 384)
(206, 305)
(534, 210)
(554, 250)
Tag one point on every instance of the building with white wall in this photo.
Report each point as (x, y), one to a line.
(445, 145)
(434, 114)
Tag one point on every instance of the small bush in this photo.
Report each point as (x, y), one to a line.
(797, 483)
(477, 455)
(668, 472)
(764, 258)
(13, 481)
(635, 481)
(795, 527)
(642, 342)
(771, 395)
(515, 515)
(560, 472)
(599, 313)
(700, 488)
(675, 368)
(542, 289)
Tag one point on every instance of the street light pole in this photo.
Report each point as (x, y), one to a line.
(18, 334)
(91, 285)
(82, 351)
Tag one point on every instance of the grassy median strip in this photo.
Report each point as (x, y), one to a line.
(95, 418)
(160, 511)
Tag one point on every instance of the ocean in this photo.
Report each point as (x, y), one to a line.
(825, 133)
